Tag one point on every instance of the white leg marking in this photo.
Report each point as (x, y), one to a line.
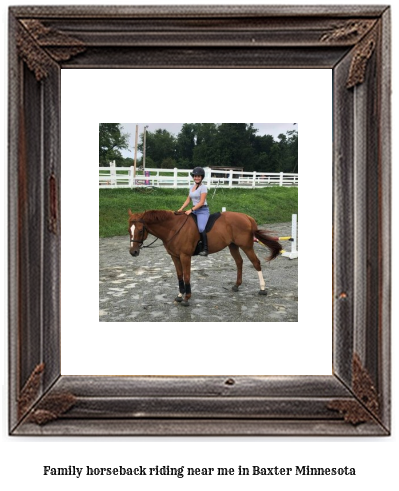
(261, 280)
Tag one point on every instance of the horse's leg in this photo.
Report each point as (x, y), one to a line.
(249, 251)
(235, 252)
(186, 263)
(179, 272)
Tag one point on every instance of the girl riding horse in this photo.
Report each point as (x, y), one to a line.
(200, 208)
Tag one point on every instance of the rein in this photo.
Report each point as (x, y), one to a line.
(165, 242)
(148, 245)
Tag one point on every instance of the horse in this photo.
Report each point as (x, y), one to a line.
(180, 237)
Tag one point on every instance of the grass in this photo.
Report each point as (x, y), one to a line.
(266, 205)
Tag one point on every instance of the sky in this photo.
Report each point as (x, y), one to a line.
(273, 129)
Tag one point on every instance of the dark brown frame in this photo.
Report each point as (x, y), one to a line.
(353, 41)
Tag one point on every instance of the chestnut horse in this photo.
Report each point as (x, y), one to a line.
(180, 236)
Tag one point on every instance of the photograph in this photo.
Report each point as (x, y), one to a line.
(239, 183)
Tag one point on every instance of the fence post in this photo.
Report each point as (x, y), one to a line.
(112, 172)
(254, 180)
(281, 178)
(230, 178)
(131, 177)
(294, 234)
(175, 178)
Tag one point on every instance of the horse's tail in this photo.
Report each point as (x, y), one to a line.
(271, 242)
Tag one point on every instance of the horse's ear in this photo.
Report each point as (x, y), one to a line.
(130, 212)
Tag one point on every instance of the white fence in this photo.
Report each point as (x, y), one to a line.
(123, 177)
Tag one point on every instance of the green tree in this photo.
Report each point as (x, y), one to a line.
(204, 151)
(285, 152)
(127, 162)
(293, 150)
(263, 144)
(186, 142)
(234, 145)
(111, 141)
(160, 145)
(226, 144)
(195, 145)
(168, 163)
(277, 156)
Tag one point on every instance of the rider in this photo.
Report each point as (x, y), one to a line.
(200, 208)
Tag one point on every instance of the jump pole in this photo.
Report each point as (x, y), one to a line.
(293, 239)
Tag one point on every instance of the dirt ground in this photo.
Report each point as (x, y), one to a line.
(143, 289)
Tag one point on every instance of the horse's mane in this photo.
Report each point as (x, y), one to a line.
(152, 216)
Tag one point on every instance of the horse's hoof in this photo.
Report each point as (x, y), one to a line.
(235, 288)
(262, 292)
(185, 303)
(178, 299)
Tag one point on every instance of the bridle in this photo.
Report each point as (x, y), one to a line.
(141, 242)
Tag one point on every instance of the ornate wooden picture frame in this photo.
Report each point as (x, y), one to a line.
(352, 41)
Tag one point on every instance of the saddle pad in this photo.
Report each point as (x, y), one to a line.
(211, 220)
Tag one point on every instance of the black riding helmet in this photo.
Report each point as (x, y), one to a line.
(198, 171)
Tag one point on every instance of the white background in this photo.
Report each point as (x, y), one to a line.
(104, 348)
(375, 459)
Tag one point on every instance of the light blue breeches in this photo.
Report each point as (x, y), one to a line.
(202, 215)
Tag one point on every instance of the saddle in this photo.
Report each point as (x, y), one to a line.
(210, 223)
(211, 220)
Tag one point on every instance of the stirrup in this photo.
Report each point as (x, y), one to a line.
(203, 253)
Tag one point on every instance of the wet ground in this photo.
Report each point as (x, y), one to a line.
(143, 288)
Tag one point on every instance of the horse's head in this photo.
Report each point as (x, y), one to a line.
(138, 233)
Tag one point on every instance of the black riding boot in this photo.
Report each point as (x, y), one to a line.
(204, 240)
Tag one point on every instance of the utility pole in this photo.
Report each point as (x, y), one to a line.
(144, 139)
(135, 151)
